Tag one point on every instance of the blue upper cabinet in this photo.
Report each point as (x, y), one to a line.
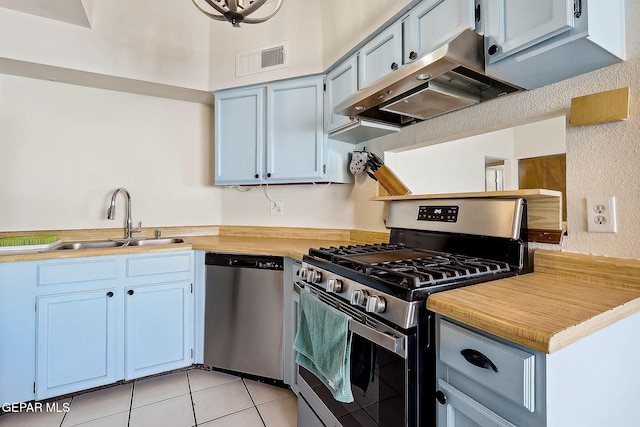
(273, 134)
(295, 141)
(239, 135)
(433, 22)
(533, 44)
(341, 82)
(512, 26)
(381, 56)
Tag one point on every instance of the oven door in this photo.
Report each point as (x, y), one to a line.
(381, 363)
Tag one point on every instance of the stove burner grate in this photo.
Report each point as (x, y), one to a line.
(410, 267)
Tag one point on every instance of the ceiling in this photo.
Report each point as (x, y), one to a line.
(70, 11)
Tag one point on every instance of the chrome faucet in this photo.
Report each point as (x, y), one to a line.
(111, 213)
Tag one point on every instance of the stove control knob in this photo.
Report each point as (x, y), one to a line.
(358, 297)
(314, 276)
(334, 285)
(375, 304)
(302, 273)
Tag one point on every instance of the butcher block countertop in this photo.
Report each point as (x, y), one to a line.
(283, 241)
(566, 298)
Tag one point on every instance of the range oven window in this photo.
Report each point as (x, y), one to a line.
(378, 383)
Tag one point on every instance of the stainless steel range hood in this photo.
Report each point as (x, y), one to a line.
(448, 78)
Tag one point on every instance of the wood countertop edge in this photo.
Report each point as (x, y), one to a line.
(292, 242)
(563, 338)
(527, 334)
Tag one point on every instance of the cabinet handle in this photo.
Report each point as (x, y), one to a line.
(493, 49)
(413, 55)
(441, 397)
(478, 359)
(256, 176)
(109, 294)
(394, 66)
(130, 292)
(269, 175)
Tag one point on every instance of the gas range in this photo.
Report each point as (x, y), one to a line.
(433, 247)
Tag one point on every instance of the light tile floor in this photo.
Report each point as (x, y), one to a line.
(182, 399)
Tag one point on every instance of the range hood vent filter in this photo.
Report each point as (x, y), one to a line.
(431, 101)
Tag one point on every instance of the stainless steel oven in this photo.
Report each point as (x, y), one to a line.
(382, 359)
(434, 245)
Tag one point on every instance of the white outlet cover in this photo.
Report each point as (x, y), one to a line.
(277, 207)
(601, 215)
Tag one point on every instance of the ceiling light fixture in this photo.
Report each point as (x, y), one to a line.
(238, 11)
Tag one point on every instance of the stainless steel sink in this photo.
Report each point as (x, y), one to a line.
(157, 242)
(103, 244)
(89, 245)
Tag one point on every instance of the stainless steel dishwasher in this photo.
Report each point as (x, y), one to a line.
(244, 314)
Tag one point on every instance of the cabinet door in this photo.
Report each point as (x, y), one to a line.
(459, 410)
(158, 328)
(17, 330)
(239, 136)
(380, 56)
(295, 141)
(341, 82)
(513, 25)
(76, 342)
(433, 22)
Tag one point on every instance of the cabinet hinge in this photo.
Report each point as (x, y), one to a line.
(324, 169)
(35, 306)
(478, 12)
(192, 288)
(34, 387)
(192, 353)
(324, 87)
(577, 8)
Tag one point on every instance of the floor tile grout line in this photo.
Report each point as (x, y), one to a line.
(254, 402)
(66, 413)
(133, 389)
(193, 406)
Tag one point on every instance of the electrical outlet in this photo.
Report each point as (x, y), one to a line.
(601, 215)
(277, 207)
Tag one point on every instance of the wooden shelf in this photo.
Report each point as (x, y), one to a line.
(544, 208)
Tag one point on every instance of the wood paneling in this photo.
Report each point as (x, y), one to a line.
(545, 172)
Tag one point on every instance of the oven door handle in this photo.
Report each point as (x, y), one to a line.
(393, 343)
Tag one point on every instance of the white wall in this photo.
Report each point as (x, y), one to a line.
(452, 167)
(65, 148)
(458, 166)
(298, 23)
(304, 206)
(166, 43)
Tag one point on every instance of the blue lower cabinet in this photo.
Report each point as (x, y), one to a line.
(76, 342)
(158, 328)
(135, 318)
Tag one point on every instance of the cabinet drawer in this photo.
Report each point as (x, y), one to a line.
(159, 264)
(506, 370)
(77, 271)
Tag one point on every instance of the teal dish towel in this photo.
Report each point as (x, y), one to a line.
(323, 345)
